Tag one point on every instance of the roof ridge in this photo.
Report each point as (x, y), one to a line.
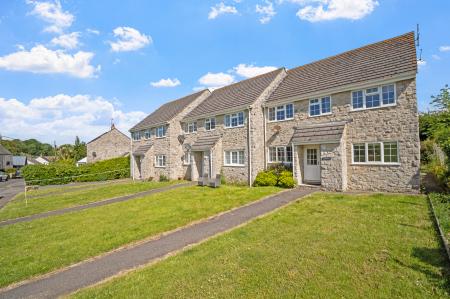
(352, 50)
(183, 97)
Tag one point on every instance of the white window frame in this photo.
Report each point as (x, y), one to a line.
(380, 94)
(230, 153)
(187, 158)
(164, 131)
(190, 127)
(366, 152)
(283, 108)
(160, 158)
(148, 134)
(277, 160)
(234, 116)
(320, 99)
(210, 121)
(136, 135)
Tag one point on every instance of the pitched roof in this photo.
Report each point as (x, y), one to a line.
(142, 149)
(319, 133)
(387, 58)
(167, 111)
(4, 151)
(113, 128)
(205, 143)
(19, 160)
(235, 95)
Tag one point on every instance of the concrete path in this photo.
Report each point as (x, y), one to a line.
(95, 270)
(10, 189)
(91, 205)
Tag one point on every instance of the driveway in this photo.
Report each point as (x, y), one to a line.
(9, 189)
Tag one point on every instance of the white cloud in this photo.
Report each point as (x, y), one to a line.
(327, 10)
(248, 71)
(93, 31)
(267, 12)
(220, 9)
(129, 39)
(42, 60)
(216, 80)
(53, 118)
(444, 48)
(436, 57)
(53, 14)
(67, 41)
(166, 83)
(421, 63)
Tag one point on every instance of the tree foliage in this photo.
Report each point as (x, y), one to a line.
(28, 147)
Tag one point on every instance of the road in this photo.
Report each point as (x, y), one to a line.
(9, 189)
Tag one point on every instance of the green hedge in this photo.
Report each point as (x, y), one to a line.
(63, 173)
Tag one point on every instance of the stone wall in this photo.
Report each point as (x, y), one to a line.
(110, 145)
(396, 123)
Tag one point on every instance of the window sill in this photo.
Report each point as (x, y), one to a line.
(279, 121)
(186, 133)
(160, 137)
(323, 114)
(234, 165)
(241, 126)
(160, 166)
(375, 164)
(372, 108)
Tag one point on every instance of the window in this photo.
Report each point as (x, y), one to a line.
(94, 155)
(234, 158)
(280, 154)
(311, 156)
(160, 160)
(147, 134)
(191, 127)
(161, 131)
(281, 112)
(320, 106)
(374, 97)
(187, 158)
(210, 124)
(376, 153)
(234, 120)
(136, 135)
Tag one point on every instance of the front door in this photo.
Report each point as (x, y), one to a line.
(206, 166)
(312, 164)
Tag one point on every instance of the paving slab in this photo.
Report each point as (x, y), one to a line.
(91, 205)
(98, 269)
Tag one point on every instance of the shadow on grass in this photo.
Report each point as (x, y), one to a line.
(435, 257)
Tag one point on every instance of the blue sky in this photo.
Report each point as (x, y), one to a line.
(68, 67)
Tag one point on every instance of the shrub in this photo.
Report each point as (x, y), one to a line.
(265, 178)
(63, 173)
(286, 180)
(163, 178)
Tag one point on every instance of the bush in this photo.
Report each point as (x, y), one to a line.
(278, 175)
(163, 178)
(265, 178)
(63, 173)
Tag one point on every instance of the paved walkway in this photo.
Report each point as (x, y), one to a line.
(10, 189)
(91, 205)
(96, 270)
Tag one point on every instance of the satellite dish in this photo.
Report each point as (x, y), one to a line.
(276, 128)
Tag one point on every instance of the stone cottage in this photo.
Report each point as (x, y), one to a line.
(5, 158)
(348, 122)
(111, 144)
(157, 141)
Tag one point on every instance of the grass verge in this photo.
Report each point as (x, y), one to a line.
(40, 202)
(326, 246)
(441, 203)
(40, 246)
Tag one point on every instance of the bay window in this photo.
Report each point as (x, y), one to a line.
(375, 153)
(320, 106)
(374, 97)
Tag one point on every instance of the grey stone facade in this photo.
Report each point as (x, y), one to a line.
(111, 144)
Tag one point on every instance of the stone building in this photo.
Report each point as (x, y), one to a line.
(111, 144)
(348, 122)
(5, 158)
(157, 141)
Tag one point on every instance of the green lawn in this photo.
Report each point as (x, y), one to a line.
(326, 246)
(41, 201)
(40, 246)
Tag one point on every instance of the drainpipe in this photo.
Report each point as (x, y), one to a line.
(132, 157)
(264, 137)
(249, 139)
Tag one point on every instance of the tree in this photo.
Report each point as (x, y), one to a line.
(79, 149)
(442, 101)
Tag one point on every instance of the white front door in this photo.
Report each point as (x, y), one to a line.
(312, 164)
(206, 165)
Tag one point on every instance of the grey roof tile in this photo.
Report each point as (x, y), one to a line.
(142, 149)
(167, 111)
(4, 151)
(235, 95)
(375, 61)
(318, 133)
(205, 142)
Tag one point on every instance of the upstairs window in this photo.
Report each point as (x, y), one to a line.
(136, 135)
(280, 154)
(320, 106)
(191, 127)
(147, 134)
(374, 97)
(161, 131)
(210, 124)
(283, 112)
(234, 120)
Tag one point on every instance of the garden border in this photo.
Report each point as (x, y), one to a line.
(440, 231)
